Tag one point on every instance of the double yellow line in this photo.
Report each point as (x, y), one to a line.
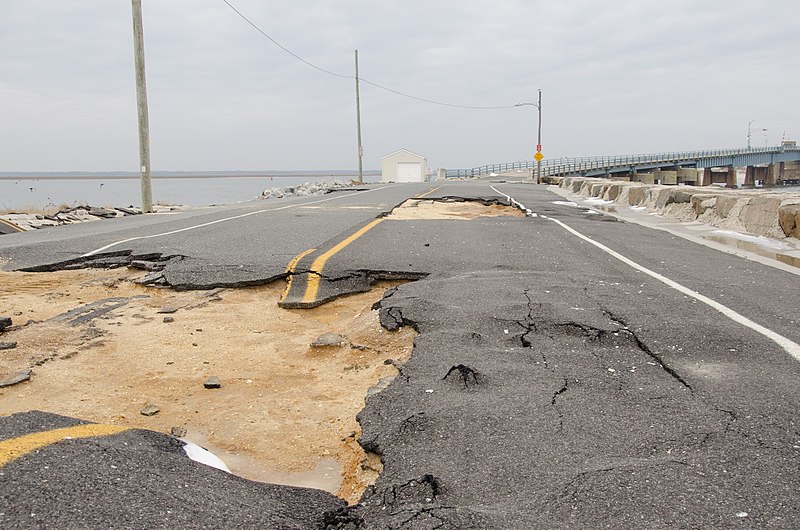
(22, 445)
(318, 265)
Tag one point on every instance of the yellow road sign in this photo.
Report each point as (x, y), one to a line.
(538, 156)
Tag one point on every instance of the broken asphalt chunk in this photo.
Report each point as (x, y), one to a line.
(8, 345)
(213, 382)
(5, 322)
(149, 410)
(328, 340)
(15, 378)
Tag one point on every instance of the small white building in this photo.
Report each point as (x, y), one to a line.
(403, 166)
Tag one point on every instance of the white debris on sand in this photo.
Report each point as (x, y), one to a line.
(204, 456)
(305, 189)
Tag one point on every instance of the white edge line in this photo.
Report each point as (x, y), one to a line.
(110, 245)
(791, 347)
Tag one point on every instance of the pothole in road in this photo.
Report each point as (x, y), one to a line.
(426, 209)
(285, 412)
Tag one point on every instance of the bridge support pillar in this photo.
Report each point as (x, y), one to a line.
(707, 177)
(769, 181)
(781, 170)
(687, 175)
(749, 177)
(730, 182)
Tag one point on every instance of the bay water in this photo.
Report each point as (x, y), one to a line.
(35, 192)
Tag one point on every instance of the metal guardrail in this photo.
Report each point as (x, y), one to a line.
(606, 164)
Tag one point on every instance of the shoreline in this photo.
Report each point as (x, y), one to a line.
(198, 176)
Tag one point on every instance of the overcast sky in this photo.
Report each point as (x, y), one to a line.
(616, 77)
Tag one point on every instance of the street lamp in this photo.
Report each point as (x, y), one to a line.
(750, 132)
(539, 134)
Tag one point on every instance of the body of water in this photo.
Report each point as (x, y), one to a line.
(38, 192)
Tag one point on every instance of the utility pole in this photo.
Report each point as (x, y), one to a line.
(141, 105)
(539, 141)
(358, 123)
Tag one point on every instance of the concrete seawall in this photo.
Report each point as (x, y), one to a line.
(770, 213)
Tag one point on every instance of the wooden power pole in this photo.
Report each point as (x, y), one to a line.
(358, 123)
(141, 104)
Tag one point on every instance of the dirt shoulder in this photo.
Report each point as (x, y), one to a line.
(102, 348)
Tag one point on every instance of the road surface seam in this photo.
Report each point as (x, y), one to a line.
(791, 347)
(318, 265)
(248, 214)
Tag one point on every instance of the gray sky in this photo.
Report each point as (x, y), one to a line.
(616, 77)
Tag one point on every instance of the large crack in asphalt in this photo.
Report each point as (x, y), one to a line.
(539, 418)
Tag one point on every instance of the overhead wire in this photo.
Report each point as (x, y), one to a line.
(376, 85)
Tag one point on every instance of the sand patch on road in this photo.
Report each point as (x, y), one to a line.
(423, 209)
(285, 411)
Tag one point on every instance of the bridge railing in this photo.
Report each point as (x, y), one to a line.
(567, 165)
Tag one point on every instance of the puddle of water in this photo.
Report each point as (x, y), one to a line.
(326, 475)
(755, 248)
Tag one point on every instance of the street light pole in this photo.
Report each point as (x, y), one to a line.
(538, 135)
(749, 131)
(539, 141)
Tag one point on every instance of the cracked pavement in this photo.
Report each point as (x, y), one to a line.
(551, 386)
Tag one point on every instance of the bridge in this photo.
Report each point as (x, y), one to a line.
(764, 164)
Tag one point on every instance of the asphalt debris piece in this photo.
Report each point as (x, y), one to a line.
(5, 322)
(8, 345)
(213, 382)
(149, 410)
(178, 432)
(169, 319)
(327, 340)
(16, 378)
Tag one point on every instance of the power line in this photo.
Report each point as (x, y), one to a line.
(287, 50)
(376, 85)
(437, 102)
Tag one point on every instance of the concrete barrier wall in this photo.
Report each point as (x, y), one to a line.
(766, 213)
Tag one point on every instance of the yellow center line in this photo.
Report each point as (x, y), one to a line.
(312, 283)
(22, 445)
(429, 192)
(290, 270)
(11, 225)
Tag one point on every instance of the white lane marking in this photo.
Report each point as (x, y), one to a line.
(791, 347)
(515, 203)
(248, 214)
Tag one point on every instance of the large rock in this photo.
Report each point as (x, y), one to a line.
(789, 219)
(725, 204)
(613, 191)
(636, 195)
(760, 216)
(701, 202)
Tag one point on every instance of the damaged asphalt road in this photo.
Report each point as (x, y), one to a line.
(233, 246)
(553, 385)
